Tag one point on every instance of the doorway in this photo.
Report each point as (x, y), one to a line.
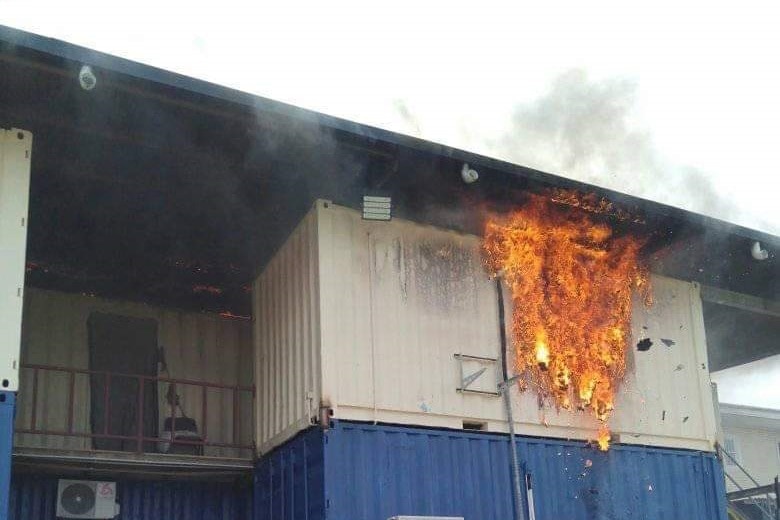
(123, 347)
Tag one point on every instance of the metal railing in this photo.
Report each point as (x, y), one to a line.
(770, 508)
(139, 437)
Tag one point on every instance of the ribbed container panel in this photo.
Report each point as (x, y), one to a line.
(7, 405)
(289, 482)
(287, 342)
(377, 471)
(35, 498)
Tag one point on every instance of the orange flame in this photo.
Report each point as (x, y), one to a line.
(604, 437)
(571, 279)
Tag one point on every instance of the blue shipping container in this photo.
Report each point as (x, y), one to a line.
(34, 497)
(358, 471)
(7, 404)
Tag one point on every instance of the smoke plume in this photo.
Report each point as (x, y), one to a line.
(586, 130)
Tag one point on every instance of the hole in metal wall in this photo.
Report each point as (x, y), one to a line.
(475, 426)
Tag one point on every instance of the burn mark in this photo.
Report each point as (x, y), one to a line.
(668, 342)
(644, 345)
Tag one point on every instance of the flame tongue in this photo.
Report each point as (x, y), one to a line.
(571, 280)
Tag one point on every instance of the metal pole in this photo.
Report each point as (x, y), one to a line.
(504, 388)
(777, 499)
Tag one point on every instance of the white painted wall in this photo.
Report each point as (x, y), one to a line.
(397, 301)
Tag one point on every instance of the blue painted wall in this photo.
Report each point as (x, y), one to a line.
(357, 471)
(33, 497)
(7, 400)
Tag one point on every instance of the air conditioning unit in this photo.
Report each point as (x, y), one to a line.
(86, 499)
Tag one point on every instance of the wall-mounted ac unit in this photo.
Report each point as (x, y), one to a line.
(86, 499)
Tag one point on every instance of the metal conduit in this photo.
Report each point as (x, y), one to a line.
(504, 388)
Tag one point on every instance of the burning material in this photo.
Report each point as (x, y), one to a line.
(571, 279)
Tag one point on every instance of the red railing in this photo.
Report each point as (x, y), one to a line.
(139, 438)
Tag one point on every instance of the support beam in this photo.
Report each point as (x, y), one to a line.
(740, 301)
(751, 492)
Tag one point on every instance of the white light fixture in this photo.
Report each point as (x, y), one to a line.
(377, 208)
(468, 174)
(87, 78)
(758, 252)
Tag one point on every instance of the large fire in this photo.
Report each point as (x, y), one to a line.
(571, 280)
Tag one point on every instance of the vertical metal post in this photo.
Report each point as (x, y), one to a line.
(140, 417)
(174, 399)
(106, 403)
(505, 387)
(34, 411)
(204, 412)
(71, 399)
(236, 416)
(777, 498)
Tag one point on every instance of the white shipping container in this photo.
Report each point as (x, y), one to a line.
(383, 321)
(15, 154)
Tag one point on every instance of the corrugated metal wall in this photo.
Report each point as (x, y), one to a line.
(398, 302)
(381, 471)
(7, 405)
(34, 497)
(197, 346)
(289, 482)
(286, 307)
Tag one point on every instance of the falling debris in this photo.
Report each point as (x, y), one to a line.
(663, 415)
(644, 345)
(668, 342)
(571, 278)
(685, 419)
(679, 367)
(588, 463)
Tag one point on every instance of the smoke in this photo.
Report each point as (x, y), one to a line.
(587, 130)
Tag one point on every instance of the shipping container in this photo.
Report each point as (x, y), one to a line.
(357, 470)
(382, 321)
(197, 346)
(34, 497)
(15, 154)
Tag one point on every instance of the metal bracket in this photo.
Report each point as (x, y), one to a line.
(466, 380)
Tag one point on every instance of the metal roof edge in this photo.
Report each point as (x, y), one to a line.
(749, 411)
(150, 73)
